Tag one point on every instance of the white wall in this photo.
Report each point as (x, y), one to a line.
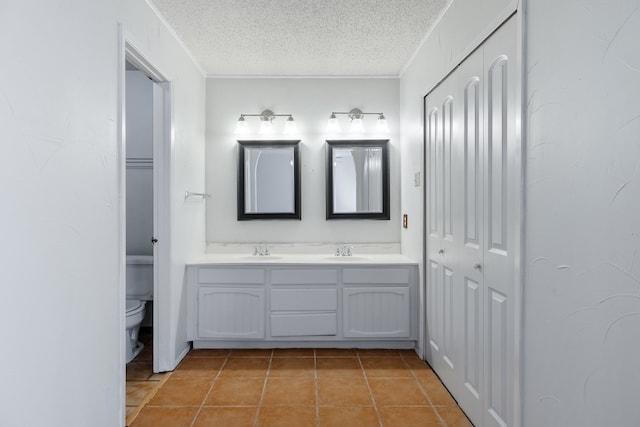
(311, 101)
(582, 299)
(460, 29)
(59, 300)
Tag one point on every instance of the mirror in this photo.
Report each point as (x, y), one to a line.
(358, 179)
(268, 180)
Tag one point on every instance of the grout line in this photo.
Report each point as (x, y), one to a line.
(264, 389)
(366, 380)
(415, 378)
(315, 384)
(206, 396)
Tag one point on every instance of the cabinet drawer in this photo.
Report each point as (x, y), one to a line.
(303, 324)
(304, 299)
(304, 276)
(231, 275)
(376, 275)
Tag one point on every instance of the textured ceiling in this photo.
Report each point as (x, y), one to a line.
(301, 37)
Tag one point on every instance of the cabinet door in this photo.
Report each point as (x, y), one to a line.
(231, 312)
(376, 312)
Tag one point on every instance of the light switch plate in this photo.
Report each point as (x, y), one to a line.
(416, 179)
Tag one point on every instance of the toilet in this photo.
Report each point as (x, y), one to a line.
(139, 278)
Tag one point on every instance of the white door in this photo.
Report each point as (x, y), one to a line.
(472, 178)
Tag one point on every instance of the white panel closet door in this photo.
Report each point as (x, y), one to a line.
(471, 189)
(501, 181)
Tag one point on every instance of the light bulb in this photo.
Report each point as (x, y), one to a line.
(381, 124)
(333, 125)
(266, 127)
(241, 126)
(290, 126)
(357, 125)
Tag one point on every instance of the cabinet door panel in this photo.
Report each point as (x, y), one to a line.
(376, 312)
(231, 313)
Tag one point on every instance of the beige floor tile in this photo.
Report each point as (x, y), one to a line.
(454, 417)
(151, 416)
(396, 392)
(198, 367)
(437, 392)
(205, 352)
(338, 367)
(293, 352)
(236, 392)
(357, 416)
(292, 367)
(378, 353)
(250, 353)
(226, 417)
(182, 392)
(287, 416)
(245, 367)
(137, 391)
(385, 367)
(409, 417)
(289, 392)
(336, 352)
(343, 392)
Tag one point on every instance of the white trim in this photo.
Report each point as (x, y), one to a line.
(175, 35)
(285, 76)
(122, 226)
(163, 354)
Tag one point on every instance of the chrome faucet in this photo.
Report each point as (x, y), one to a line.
(262, 250)
(344, 250)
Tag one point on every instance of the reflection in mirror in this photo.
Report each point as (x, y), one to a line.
(357, 179)
(268, 180)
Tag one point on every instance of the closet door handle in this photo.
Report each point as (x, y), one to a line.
(441, 251)
(154, 240)
(477, 267)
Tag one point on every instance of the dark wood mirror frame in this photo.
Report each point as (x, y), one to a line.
(379, 143)
(242, 214)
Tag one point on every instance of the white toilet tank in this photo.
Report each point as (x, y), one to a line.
(139, 276)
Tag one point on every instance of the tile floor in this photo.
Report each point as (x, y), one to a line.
(301, 387)
(142, 383)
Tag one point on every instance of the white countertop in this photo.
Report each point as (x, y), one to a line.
(325, 259)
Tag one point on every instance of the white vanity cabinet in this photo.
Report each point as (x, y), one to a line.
(231, 303)
(376, 302)
(302, 305)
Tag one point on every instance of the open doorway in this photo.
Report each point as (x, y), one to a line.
(145, 175)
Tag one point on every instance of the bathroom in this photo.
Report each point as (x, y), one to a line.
(62, 164)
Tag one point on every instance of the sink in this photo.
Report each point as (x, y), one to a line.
(346, 258)
(262, 257)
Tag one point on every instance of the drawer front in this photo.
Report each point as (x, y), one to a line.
(303, 324)
(231, 275)
(304, 276)
(376, 275)
(304, 299)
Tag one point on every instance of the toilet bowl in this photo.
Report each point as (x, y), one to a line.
(139, 276)
(135, 314)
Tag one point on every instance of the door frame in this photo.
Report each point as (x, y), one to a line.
(518, 14)
(162, 173)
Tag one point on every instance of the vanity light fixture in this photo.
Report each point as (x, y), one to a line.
(357, 121)
(266, 123)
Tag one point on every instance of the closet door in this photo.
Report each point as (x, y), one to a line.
(471, 197)
(502, 178)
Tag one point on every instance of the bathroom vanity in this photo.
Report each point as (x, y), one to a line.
(237, 301)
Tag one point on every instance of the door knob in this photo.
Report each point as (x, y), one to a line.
(154, 240)
(441, 251)
(477, 267)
